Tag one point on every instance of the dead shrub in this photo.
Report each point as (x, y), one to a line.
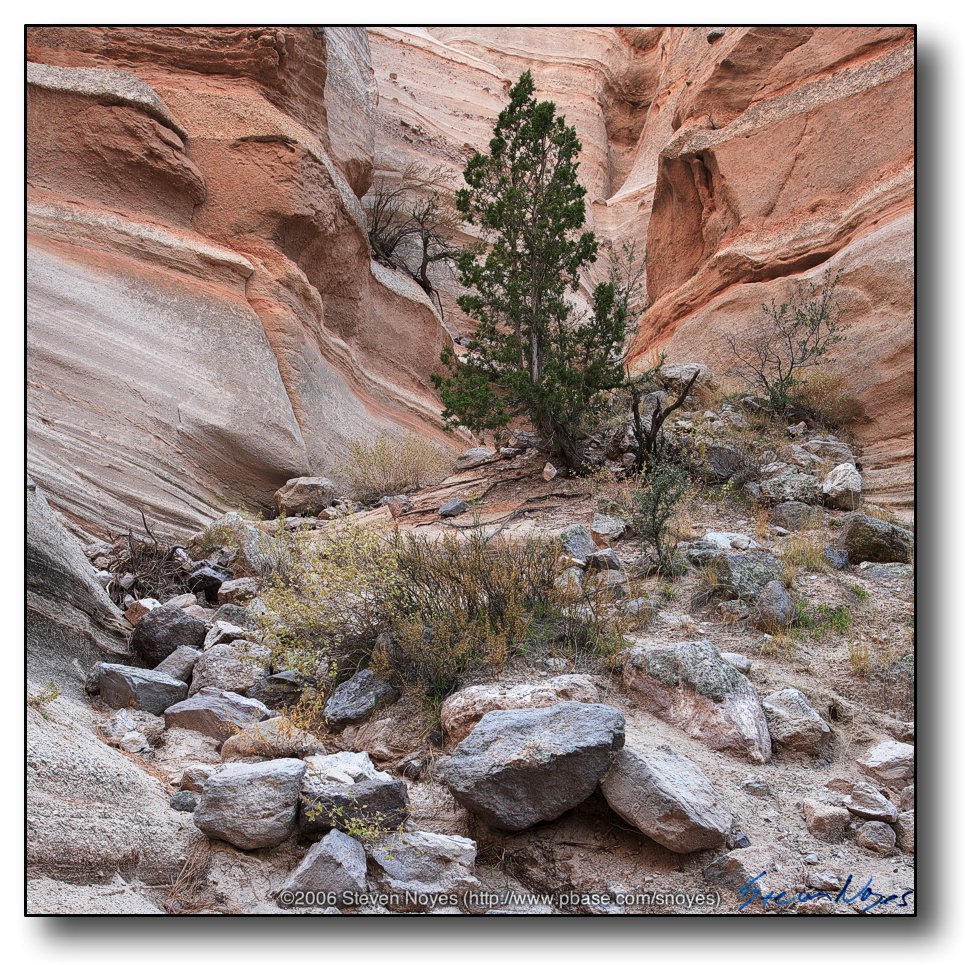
(155, 561)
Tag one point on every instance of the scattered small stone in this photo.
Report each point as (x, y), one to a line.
(453, 507)
(739, 841)
(876, 836)
(811, 859)
(757, 788)
(905, 831)
(738, 661)
(550, 472)
(826, 821)
(184, 801)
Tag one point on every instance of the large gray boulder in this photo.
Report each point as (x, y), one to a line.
(357, 698)
(417, 867)
(794, 724)
(520, 767)
(336, 864)
(472, 458)
(892, 762)
(251, 805)
(745, 574)
(577, 542)
(789, 485)
(278, 690)
(344, 789)
(165, 628)
(231, 666)
(668, 798)
(147, 690)
(179, 664)
(692, 687)
(867, 538)
(215, 713)
(841, 487)
(794, 515)
(305, 496)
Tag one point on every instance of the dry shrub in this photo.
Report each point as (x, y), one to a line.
(804, 551)
(825, 398)
(187, 894)
(155, 561)
(388, 465)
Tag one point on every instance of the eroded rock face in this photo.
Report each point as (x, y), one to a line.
(199, 273)
(691, 686)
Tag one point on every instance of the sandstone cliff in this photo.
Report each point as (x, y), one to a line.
(742, 160)
(204, 320)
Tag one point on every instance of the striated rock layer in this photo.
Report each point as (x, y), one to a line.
(204, 319)
(742, 160)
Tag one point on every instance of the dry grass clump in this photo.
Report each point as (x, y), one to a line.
(187, 894)
(388, 465)
(803, 551)
(825, 398)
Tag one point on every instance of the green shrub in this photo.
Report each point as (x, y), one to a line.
(654, 512)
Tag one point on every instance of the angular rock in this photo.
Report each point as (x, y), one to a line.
(702, 552)
(222, 632)
(305, 496)
(208, 579)
(789, 485)
(577, 542)
(453, 507)
(830, 450)
(278, 690)
(794, 515)
(905, 831)
(774, 609)
(794, 724)
(886, 572)
(464, 709)
(730, 541)
(420, 864)
(357, 698)
(234, 615)
(892, 762)
(676, 375)
(194, 776)
(343, 789)
(334, 864)
(472, 458)
(179, 664)
(147, 690)
(736, 868)
(876, 836)
(738, 661)
(721, 463)
(550, 472)
(140, 608)
(603, 560)
(866, 801)
(184, 801)
(397, 505)
(215, 713)
(692, 687)
(606, 528)
(238, 591)
(161, 631)
(867, 538)
(668, 798)
(826, 821)
(272, 738)
(251, 805)
(745, 574)
(841, 487)
(230, 666)
(520, 767)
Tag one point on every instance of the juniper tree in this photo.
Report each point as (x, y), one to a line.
(533, 355)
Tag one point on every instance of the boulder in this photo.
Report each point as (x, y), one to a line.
(184, 801)
(828, 822)
(668, 798)
(223, 632)
(357, 698)
(230, 666)
(165, 628)
(794, 724)
(336, 864)
(795, 515)
(305, 496)
(215, 713)
(238, 591)
(730, 541)
(905, 831)
(745, 574)
(453, 507)
(147, 690)
(866, 801)
(787, 485)
(251, 805)
(886, 572)
(272, 738)
(345, 789)
(577, 542)
(472, 458)
(676, 376)
(603, 560)
(774, 609)
(841, 487)
(254, 550)
(278, 690)
(606, 528)
(520, 767)
(194, 776)
(830, 450)
(234, 615)
(464, 709)
(867, 538)
(692, 687)
(208, 578)
(179, 664)
(892, 762)
(722, 462)
(876, 836)
(417, 867)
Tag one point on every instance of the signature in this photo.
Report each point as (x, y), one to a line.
(863, 900)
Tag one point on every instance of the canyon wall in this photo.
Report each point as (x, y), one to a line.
(204, 319)
(741, 160)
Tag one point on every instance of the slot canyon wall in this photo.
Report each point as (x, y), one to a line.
(204, 320)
